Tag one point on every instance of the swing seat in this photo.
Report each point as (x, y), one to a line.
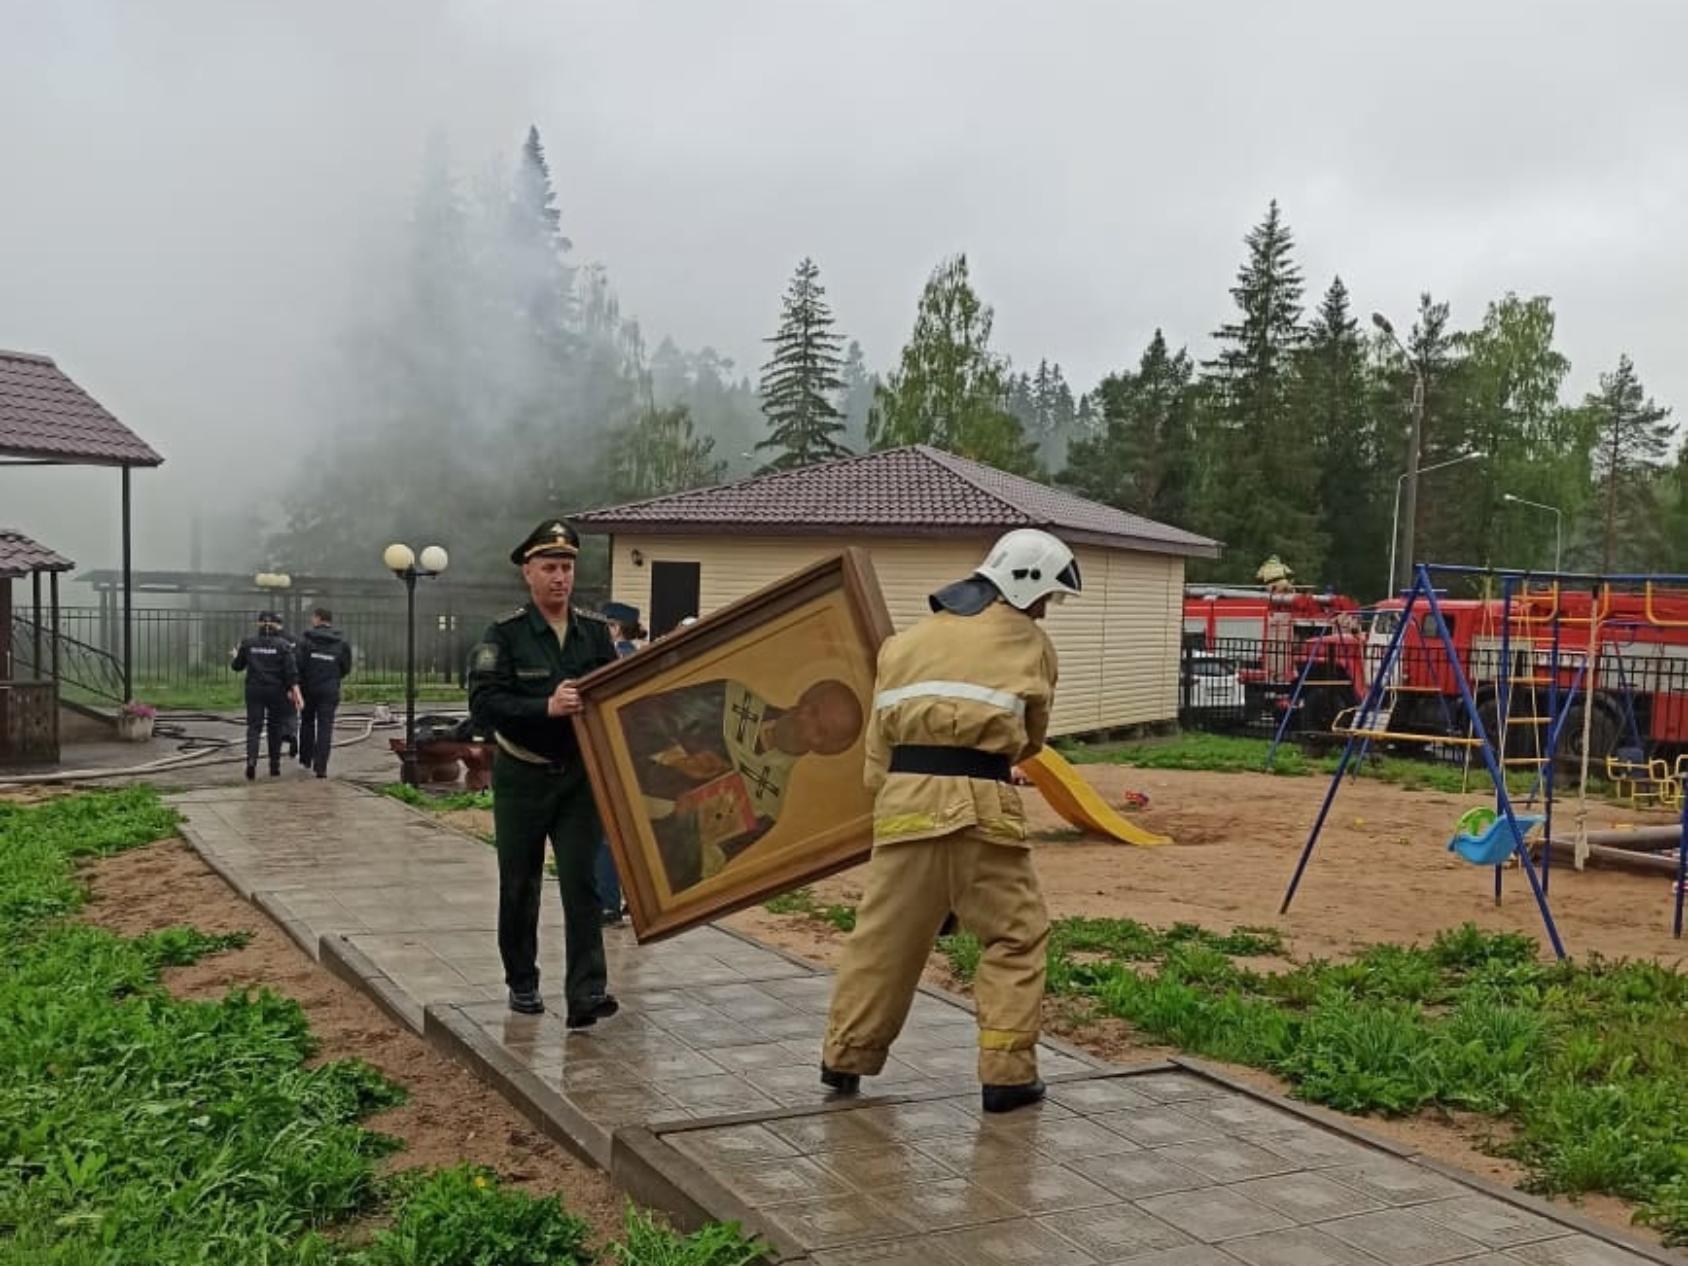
(1483, 838)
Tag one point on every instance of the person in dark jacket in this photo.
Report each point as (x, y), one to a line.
(290, 711)
(325, 657)
(628, 635)
(272, 687)
(522, 687)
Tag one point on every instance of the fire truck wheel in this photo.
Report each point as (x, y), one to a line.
(1603, 732)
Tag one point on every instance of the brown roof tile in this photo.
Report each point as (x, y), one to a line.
(917, 490)
(47, 417)
(19, 555)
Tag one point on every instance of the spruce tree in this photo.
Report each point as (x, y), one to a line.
(801, 380)
(1333, 397)
(949, 389)
(1141, 458)
(1634, 439)
(856, 397)
(1264, 501)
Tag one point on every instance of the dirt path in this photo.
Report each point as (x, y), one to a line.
(450, 1116)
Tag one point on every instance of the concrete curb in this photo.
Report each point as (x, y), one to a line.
(658, 1176)
(352, 965)
(274, 903)
(454, 1035)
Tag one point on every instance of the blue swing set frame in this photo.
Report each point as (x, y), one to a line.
(1504, 838)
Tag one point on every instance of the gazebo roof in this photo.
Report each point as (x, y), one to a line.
(45, 417)
(20, 556)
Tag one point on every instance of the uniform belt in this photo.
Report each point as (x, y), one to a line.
(951, 762)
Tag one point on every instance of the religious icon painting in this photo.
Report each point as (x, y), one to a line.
(726, 758)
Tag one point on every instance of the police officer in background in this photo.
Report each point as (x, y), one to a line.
(272, 688)
(325, 657)
(522, 678)
(290, 713)
(959, 700)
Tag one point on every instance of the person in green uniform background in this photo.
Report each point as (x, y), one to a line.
(522, 678)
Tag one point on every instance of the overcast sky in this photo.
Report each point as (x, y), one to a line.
(189, 189)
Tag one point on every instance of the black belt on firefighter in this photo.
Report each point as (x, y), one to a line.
(951, 762)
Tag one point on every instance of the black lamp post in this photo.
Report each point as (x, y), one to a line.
(402, 561)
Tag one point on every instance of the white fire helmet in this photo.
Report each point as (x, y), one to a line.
(1027, 564)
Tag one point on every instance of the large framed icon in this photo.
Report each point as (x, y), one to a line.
(726, 758)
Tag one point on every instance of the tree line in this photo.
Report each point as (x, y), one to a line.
(504, 375)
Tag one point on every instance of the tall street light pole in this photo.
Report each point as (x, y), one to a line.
(1415, 448)
(401, 560)
(1558, 523)
(1395, 523)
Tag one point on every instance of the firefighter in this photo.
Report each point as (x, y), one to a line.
(272, 689)
(960, 699)
(522, 678)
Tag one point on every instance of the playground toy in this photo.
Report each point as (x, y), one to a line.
(1076, 801)
(1483, 838)
(1532, 662)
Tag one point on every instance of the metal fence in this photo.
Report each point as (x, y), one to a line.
(1243, 686)
(180, 649)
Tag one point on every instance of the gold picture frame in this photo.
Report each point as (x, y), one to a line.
(726, 758)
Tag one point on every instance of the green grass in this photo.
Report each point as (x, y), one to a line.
(1227, 753)
(136, 1127)
(801, 901)
(1587, 1061)
(437, 803)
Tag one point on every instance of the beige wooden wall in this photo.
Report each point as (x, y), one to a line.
(1118, 643)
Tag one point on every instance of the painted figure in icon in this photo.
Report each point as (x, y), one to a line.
(714, 760)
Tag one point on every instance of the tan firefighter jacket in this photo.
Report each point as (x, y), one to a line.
(984, 681)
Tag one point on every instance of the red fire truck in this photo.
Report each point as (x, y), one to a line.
(1262, 632)
(1640, 680)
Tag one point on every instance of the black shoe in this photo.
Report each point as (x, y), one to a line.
(611, 918)
(526, 1002)
(842, 1083)
(322, 773)
(275, 771)
(599, 1008)
(1007, 1098)
(251, 772)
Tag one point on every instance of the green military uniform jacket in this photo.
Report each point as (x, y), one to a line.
(517, 665)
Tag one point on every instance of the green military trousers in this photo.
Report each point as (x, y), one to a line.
(531, 803)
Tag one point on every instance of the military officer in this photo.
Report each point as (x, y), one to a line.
(522, 690)
(960, 699)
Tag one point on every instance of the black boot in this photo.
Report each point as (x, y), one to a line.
(526, 1002)
(275, 769)
(1007, 1098)
(842, 1083)
(599, 1008)
(251, 772)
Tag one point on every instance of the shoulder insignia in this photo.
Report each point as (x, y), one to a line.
(484, 658)
(516, 614)
(584, 614)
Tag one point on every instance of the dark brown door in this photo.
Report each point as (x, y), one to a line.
(674, 594)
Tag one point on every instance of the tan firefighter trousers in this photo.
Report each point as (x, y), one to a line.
(994, 892)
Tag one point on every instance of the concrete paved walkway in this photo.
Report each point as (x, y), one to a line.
(702, 1096)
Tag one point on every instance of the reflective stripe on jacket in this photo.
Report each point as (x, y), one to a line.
(985, 682)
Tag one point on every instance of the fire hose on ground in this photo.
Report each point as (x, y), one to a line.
(195, 751)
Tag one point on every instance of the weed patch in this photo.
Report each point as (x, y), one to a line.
(449, 803)
(136, 1127)
(801, 901)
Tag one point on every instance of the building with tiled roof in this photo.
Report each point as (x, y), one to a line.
(925, 517)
